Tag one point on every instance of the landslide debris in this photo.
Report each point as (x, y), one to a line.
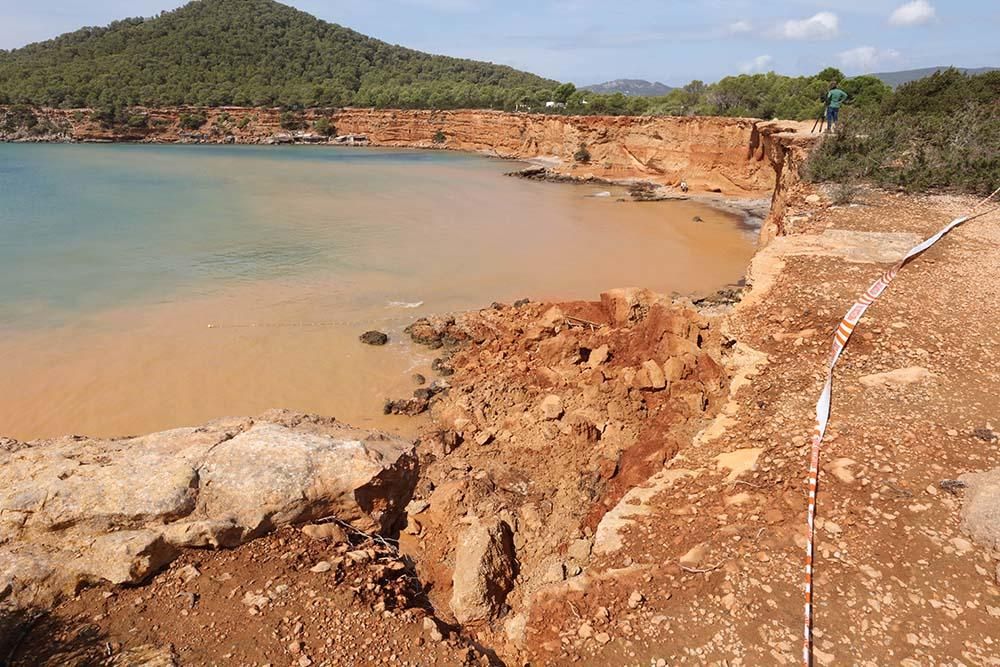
(554, 412)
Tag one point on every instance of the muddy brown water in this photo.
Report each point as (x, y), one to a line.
(151, 287)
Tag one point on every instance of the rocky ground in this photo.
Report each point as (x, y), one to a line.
(622, 482)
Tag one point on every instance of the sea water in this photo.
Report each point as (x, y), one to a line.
(145, 287)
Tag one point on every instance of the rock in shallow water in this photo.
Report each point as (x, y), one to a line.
(374, 338)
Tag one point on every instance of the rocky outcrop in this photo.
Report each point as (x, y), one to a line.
(724, 155)
(785, 146)
(75, 510)
(981, 509)
(484, 571)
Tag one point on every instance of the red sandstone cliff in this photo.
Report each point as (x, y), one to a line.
(711, 154)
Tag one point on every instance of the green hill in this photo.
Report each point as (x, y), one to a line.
(248, 52)
(896, 79)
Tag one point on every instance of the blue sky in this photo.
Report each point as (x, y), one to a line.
(587, 41)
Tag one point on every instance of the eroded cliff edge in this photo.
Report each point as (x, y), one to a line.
(730, 156)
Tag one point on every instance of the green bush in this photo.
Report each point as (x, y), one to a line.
(439, 137)
(192, 121)
(109, 116)
(19, 117)
(291, 121)
(138, 121)
(949, 139)
(582, 155)
(324, 127)
(843, 194)
(244, 122)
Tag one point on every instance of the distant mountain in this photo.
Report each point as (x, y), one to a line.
(630, 87)
(248, 52)
(896, 79)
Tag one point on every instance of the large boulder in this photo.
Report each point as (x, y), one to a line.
(80, 510)
(627, 305)
(484, 571)
(981, 508)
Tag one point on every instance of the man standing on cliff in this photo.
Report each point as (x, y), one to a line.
(834, 99)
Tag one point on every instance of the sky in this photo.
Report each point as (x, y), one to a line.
(590, 41)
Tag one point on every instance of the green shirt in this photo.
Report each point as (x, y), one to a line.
(835, 98)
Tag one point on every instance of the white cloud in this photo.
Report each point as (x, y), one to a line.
(824, 25)
(867, 58)
(913, 13)
(758, 64)
(739, 27)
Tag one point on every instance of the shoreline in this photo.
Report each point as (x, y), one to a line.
(712, 154)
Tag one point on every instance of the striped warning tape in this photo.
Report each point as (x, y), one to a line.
(840, 338)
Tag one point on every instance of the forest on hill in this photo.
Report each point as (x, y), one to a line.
(247, 53)
(263, 53)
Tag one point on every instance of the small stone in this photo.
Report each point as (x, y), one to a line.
(961, 544)
(484, 438)
(552, 407)
(579, 550)
(650, 376)
(295, 647)
(419, 379)
(555, 573)
(694, 556)
(320, 567)
(188, 573)
(602, 638)
(374, 338)
(597, 356)
(432, 629)
(813, 199)
(585, 631)
(325, 531)
(635, 599)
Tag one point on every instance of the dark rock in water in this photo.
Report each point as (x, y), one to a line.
(697, 218)
(437, 332)
(442, 367)
(428, 393)
(406, 406)
(531, 173)
(521, 302)
(419, 378)
(497, 305)
(726, 296)
(374, 338)
(439, 387)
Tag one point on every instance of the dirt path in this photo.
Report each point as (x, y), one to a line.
(896, 582)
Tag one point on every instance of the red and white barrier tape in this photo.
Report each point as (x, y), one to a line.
(840, 338)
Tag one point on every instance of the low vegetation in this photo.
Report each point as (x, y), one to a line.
(324, 127)
(192, 121)
(941, 132)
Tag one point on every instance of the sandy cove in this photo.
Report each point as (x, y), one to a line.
(616, 482)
